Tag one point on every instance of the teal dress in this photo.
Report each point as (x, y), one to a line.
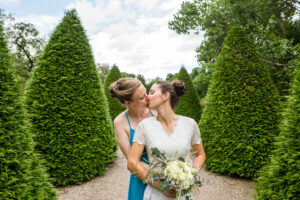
(136, 186)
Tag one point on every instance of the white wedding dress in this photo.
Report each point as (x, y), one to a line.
(151, 133)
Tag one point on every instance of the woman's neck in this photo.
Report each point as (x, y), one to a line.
(137, 113)
(166, 115)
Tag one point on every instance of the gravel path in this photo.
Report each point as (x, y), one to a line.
(114, 185)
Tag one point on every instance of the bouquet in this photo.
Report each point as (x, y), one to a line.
(174, 174)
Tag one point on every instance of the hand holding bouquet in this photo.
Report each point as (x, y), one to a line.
(174, 174)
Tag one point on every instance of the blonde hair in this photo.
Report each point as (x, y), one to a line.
(124, 88)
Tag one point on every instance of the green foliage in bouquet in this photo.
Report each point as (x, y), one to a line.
(240, 118)
(22, 174)
(173, 174)
(189, 104)
(115, 107)
(68, 109)
(280, 179)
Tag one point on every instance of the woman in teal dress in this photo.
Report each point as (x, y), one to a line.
(136, 186)
(131, 93)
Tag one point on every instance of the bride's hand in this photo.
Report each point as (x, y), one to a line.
(169, 193)
(157, 171)
(166, 192)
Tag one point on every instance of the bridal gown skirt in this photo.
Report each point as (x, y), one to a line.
(154, 194)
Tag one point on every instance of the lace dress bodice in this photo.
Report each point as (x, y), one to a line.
(151, 133)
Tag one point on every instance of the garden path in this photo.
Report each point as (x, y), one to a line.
(114, 185)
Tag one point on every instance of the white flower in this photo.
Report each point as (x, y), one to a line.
(186, 185)
(182, 176)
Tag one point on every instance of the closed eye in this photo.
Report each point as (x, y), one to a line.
(143, 97)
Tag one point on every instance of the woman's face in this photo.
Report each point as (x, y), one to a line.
(155, 97)
(139, 98)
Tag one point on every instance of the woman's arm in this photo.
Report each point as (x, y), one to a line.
(121, 136)
(198, 148)
(137, 167)
(199, 159)
(133, 161)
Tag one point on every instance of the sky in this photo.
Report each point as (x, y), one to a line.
(133, 34)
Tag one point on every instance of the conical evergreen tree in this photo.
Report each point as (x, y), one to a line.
(22, 175)
(189, 104)
(240, 120)
(281, 178)
(68, 109)
(115, 107)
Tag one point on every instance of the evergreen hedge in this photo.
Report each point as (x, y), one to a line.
(115, 107)
(68, 109)
(189, 103)
(280, 179)
(22, 175)
(240, 117)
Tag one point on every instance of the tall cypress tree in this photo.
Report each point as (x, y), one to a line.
(240, 120)
(189, 104)
(22, 175)
(115, 107)
(67, 107)
(280, 179)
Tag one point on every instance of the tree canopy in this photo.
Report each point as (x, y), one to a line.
(239, 121)
(26, 45)
(22, 174)
(189, 103)
(280, 179)
(68, 109)
(274, 25)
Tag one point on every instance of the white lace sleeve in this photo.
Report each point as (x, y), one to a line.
(139, 134)
(196, 139)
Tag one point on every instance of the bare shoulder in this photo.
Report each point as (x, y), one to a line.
(121, 125)
(120, 120)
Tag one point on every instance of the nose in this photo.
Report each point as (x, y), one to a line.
(147, 98)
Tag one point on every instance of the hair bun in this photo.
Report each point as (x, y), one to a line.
(113, 90)
(179, 87)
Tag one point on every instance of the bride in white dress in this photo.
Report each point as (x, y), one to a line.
(172, 134)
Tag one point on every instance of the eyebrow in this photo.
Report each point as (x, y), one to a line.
(143, 96)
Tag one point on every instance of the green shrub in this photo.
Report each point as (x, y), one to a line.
(280, 179)
(22, 175)
(189, 104)
(68, 109)
(240, 117)
(115, 107)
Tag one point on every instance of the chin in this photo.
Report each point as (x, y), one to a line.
(144, 106)
(150, 106)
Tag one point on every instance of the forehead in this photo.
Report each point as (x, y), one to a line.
(155, 87)
(140, 91)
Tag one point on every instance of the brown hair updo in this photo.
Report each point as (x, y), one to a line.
(175, 88)
(124, 88)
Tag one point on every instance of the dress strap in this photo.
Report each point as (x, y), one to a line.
(151, 113)
(128, 120)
